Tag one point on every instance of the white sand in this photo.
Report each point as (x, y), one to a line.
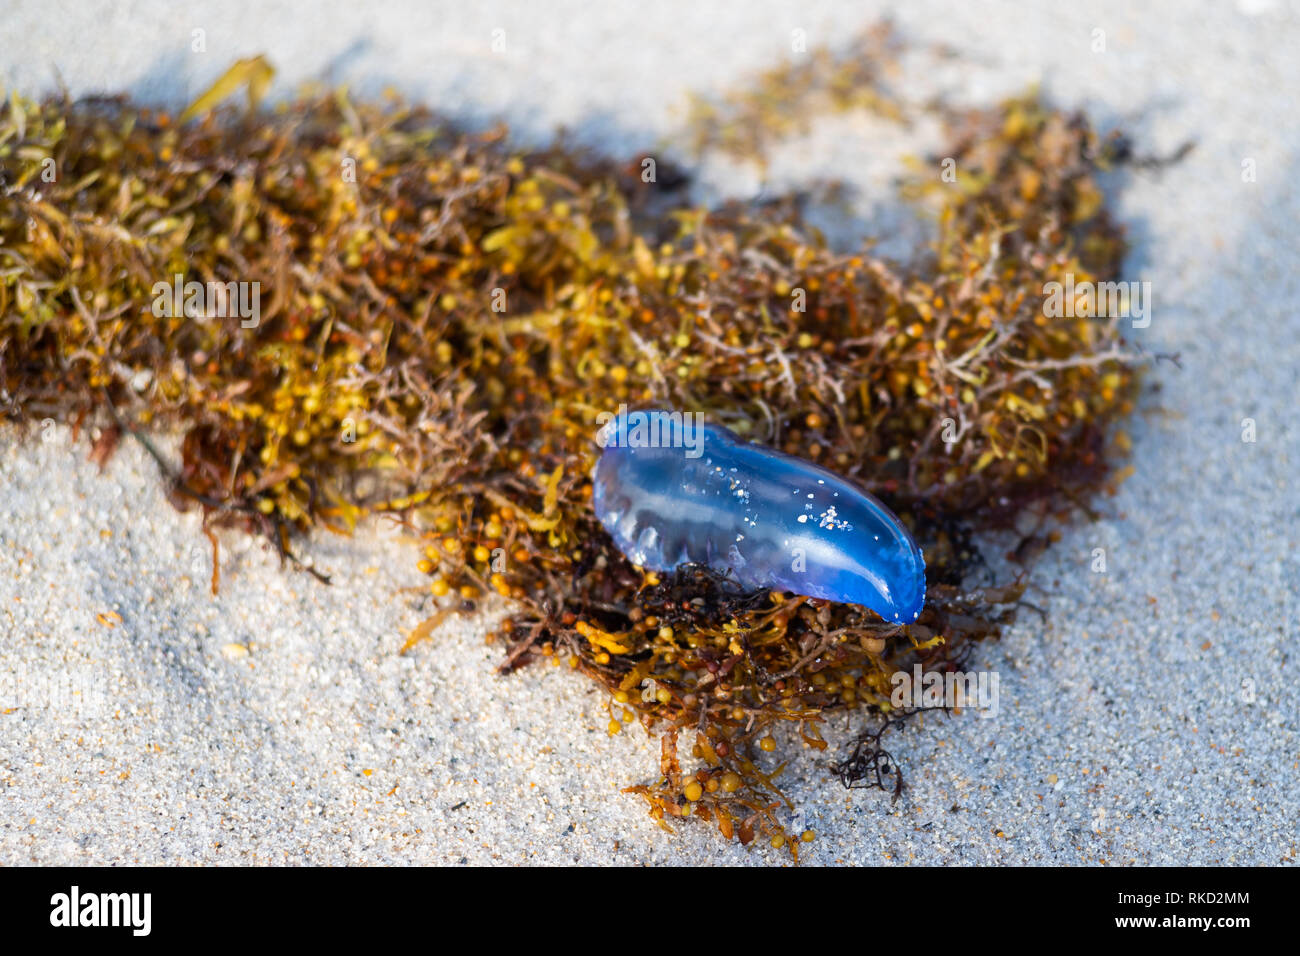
(1152, 720)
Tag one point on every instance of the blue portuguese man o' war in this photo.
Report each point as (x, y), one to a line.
(671, 490)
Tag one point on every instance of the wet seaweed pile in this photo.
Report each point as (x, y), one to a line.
(443, 316)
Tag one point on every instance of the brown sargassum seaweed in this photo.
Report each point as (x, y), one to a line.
(443, 316)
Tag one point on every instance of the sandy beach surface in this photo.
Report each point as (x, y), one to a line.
(1153, 717)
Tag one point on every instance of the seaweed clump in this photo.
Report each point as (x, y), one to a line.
(443, 317)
